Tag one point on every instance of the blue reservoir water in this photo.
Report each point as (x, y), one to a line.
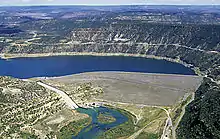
(66, 65)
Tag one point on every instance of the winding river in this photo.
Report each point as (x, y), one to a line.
(95, 128)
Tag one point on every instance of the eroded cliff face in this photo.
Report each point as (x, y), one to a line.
(204, 37)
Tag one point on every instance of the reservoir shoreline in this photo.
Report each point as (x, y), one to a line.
(13, 56)
(46, 66)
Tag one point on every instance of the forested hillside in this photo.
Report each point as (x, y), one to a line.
(201, 120)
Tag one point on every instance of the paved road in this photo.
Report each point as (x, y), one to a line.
(64, 96)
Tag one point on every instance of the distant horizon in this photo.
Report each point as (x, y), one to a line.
(92, 5)
(106, 3)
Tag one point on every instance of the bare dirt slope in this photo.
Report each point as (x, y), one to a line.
(139, 88)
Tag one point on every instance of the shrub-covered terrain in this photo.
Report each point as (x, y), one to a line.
(201, 119)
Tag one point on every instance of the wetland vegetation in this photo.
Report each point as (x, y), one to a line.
(105, 118)
(73, 128)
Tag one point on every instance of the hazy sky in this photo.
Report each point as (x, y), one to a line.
(105, 2)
